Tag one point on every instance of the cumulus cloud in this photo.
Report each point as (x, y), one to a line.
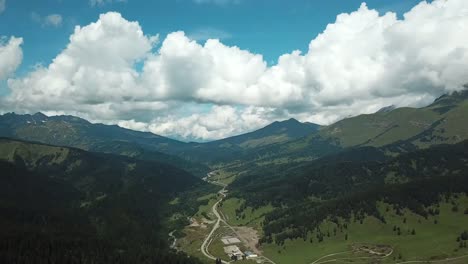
(213, 72)
(216, 123)
(2, 6)
(358, 64)
(11, 56)
(93, 72)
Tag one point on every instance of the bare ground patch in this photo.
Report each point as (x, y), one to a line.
(249, 237)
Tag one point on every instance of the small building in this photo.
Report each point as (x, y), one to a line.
(229, 240)
(233, 251)
(250, 255)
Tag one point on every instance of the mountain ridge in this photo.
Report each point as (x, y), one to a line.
(278, 131)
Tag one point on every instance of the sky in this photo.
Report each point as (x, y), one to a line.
(199, 70)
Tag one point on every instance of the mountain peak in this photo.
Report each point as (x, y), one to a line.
(292, 120)
(39, 114)
(452, 98)
(386, 109)
(71, 119)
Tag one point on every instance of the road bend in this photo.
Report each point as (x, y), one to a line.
(206, 243)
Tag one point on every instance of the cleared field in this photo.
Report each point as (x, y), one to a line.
(192, 241)
(247, 217)
(197, 231)
(217, 247)
(223, 176)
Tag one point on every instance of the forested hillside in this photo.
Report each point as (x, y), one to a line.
(64, 205)
(350, 184)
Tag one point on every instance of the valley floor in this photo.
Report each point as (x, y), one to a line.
(406, 238)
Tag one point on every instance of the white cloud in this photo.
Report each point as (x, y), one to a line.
(52, 20)
(186, 70)
(218, 122)
(93, 72)
(11, 56)
(358, 64)
(2, 6)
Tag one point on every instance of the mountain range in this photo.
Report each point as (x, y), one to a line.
(118, 186)
(76, 132)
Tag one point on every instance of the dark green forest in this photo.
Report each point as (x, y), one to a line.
(72, 206)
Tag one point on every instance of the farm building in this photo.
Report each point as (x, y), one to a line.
(233, 251)
(229, 240)
(250, 255)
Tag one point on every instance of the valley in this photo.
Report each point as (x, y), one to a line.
(404, 237)
(234, 131)
(288, 193)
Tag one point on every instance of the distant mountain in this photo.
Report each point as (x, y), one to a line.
(243, 147)
(76, 132)
(275, 132)
(386, 109)
(279, 131)
(83, 207)
(440, 122)
(399, 130)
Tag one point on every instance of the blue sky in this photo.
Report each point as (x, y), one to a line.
(226, 67)
(267, 27)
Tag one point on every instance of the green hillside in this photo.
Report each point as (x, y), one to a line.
(361, 194)
(440, 122)
(76, 132)
(275, 132)
(80, 207)
(434, 238)
(398, 130)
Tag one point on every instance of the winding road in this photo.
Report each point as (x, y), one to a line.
(174, 240)
(206, 243)
(322, 260)
(318, 261)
